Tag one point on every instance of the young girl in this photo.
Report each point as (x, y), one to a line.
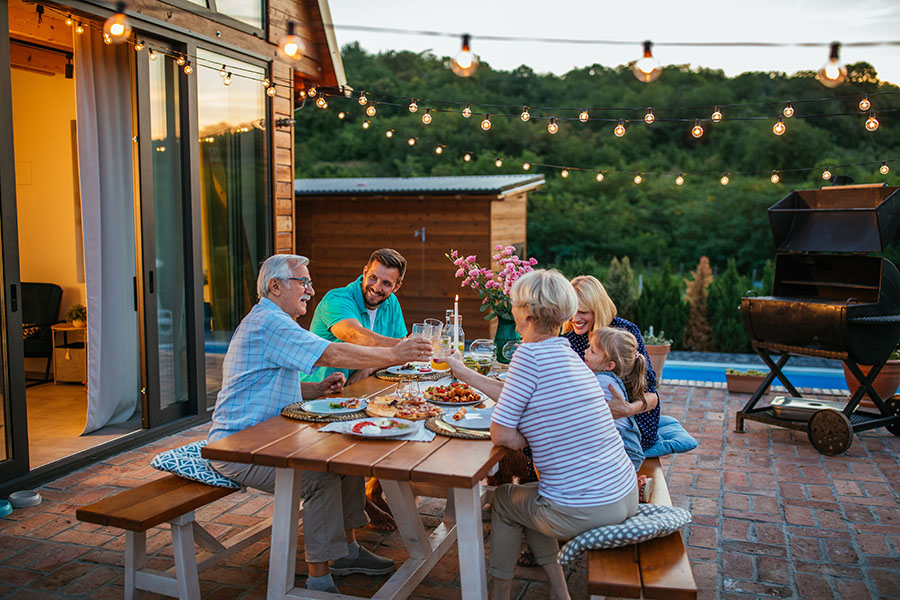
(613, 356)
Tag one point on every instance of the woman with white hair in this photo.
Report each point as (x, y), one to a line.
(553, 403)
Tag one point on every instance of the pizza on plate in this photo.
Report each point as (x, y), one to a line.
(395, 407)
(455, 392)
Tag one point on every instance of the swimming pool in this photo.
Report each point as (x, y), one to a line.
(812, 377)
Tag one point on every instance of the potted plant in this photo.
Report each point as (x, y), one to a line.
(885, 384)
(658, 346)
(76, 315)
(744, 382)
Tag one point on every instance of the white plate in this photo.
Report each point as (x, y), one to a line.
(399, 370)
(445, 382)
(474, 419)
(384, 433)
(323, 406)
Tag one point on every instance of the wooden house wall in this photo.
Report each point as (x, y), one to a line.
(339, 233)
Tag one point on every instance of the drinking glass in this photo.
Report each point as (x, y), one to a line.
(434, 327)
(509, 348)
(442, 348)
(481, 352)
(408, 388)
(418, 330)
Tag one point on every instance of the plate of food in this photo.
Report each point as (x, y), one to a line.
(412, 368)
(457, 393)
(469, 417)
(381, 428)
(411, 409)
(334, 406)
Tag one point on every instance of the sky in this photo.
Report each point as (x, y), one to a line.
(785, 21)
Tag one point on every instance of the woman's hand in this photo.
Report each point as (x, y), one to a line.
(618, 404)
(456, 364)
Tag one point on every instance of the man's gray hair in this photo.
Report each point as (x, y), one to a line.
(277, 266)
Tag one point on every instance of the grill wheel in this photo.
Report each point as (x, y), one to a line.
(830, 432)
(893, 405)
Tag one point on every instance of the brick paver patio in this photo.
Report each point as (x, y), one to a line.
(772, 518)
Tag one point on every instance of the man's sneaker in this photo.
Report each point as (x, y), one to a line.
(366, 563)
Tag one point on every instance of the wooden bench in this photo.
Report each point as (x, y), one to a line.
(657, 568)
(169, 499)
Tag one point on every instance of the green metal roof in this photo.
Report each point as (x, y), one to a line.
(471, 184)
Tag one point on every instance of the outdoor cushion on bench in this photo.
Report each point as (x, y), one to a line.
(186, 462)
(673, 439)
(650, 521)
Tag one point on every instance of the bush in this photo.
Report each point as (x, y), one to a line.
(582, 266)
(697, 333)
(723, 302)
(768, 279)
(662, 306)
(621, 287)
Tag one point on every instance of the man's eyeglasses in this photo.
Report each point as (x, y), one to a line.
(304, 281)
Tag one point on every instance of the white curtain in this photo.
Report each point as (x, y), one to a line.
(103, 112)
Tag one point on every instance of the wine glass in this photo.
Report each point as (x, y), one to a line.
(481, 352)
(509, 348)
(408, 388)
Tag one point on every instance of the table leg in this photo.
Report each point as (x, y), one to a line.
(283, 550)
(470, 537)
(406, 514)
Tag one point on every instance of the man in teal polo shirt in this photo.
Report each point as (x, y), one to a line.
(364, 312)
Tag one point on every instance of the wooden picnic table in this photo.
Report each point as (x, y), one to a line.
(455, 464)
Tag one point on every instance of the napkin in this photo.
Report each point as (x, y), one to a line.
(422, 434)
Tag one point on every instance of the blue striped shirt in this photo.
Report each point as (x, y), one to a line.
(261, 372)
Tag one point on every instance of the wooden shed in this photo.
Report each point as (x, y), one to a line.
(339, 222)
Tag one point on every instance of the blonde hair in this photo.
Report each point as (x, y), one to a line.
(592, 296)
(547, 297)
(621, 347)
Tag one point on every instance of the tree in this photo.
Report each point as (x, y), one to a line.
(697, 333)
(723, 302)
(621, 287)
(662, 305)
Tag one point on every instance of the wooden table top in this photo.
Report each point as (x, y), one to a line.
(283, 442)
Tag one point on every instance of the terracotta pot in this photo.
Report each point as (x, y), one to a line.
(658, 356)
(885, 384)
(743, 384)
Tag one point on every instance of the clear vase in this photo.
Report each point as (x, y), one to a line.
(506, 332)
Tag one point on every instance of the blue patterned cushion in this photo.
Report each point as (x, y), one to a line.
(650, 521)
(186, 462)
(673, 439)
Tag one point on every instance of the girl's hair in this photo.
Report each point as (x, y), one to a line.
(592, 296)
(621, 347)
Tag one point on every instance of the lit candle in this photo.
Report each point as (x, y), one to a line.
(456, 323)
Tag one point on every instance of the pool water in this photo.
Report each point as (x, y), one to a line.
(812, 377)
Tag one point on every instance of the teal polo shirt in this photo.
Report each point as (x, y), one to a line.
(347, 303)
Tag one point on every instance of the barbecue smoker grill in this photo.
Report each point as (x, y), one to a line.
(844, 306)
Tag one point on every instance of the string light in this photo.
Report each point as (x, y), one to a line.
(265, 84)
(302, 94)
(439, 150)
(291, 46)
(321, 102)
(724, 180)
(139, 46)
(106, 39)
(552, 127)
(370, 110)
(826, 174)
(362, 99)
(649, 117)
(564, 173)
(788, 111)
(864, 103)
(151, 54)
(366, 125)
(467, 111)
(680, 179)
(525, 116)
(647, 68)
(227, 80)
(411, 141)
(486, 123)
(79, 29)
(180, 60)
(779, 127)
(413, 107)
(638, 179)
(716, 115)
(270, 91)
(341, 115)
(833, 73)
(389, 133)
(116, 27)
(697, 129)
(526, 166)
(426, 118)
(599, 177)
(620, 128)
(885, 169)
(465, 63)
(68, 20)
(583, 117)
(467, 157)
(312, 92)
(223, 71)
(188, 69)
(775, 178)
(872, 122)
(498, 163)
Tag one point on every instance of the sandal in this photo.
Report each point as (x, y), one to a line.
(526, 559)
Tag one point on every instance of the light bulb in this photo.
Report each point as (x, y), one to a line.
(188, 69)
(106, 39)
(322, 103)
(439, 150)
(716, 115)
(884, 170)
(620, 128)
(270, 91)
(180, 60)
(411, 141)
(564, 173)
(362, 99)
(679, 180)
(223, 71)
(584, 116)
(227, 80)
(138, 46)
(465, 63)
(79, 29)
(638, 179)
(526, 166)
(788, 111)
(265, 84)
(301, 94)
(116, 26)
(647, 69)
(151, 54)
(872, 122)
(498, 163)
(291, 45)
(864, 104)
(341, 115)
(426, 118)
(312, 92)
(389, 133)
(697, 129)
(366, 125)
(525, 116)
(833, 73)
(599, 177)
(413, 107)
(69, 20)
(552, 127)
(486, 123)
(775, 178)
(826, 174)
(649, 117)
(724, 180)
(467, 111)
(370, 110)
(779, 127)
(467, 157)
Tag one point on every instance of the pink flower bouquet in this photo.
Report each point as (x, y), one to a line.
(492, 286)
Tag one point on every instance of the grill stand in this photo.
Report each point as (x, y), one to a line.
(828, 434)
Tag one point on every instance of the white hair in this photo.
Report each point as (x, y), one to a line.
(277, 266)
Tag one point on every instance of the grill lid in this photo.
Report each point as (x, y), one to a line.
(859, 218)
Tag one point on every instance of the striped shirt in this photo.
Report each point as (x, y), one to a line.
(554, 400)
(261, 372)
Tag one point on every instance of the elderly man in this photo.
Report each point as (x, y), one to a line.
(261, 374)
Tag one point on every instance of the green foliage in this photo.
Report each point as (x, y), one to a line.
(723, 299)
(656, 338)
(76, 311)
(582, 266)
(622, 288)
(662, 304)
(768, 279)
(697, 332)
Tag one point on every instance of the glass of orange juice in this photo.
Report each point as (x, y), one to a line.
(442, 346)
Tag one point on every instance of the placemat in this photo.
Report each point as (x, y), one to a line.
(293, 411)
(432, 376)
(468, 434)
